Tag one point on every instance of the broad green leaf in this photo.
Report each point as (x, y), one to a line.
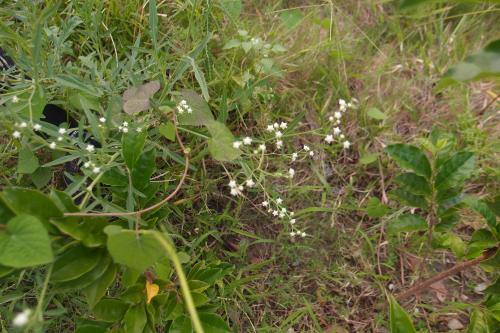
(455, 244)
(482, 208)
(130, 276)
(75, 262)
(88, 230)
(163, 269)
(110, 309)
(414, 183)
(63, 201)
(400, 321)
(478, 323)
(407, 223)
(410, 157)
(231, 44)
(132, 146)
(77, 83)
(481, 240)
(494, 289)
(374, 208)
(27, 161)
(135, 319)
(97, 290)
(409, 198)
(143, 169)
(455, 170)
(167, 130)
(291, 18)
(83, 101)
(114, 177)
(220, 144)
(198, 286)
(181, 324)
(199, 299)
(213, 323)
(232, 8)
(375, 113)
(5, 212)
(368, 158)
(201, 114)
(90, 329)
(137, 251)
(30, 105)
(88, 278)
(495, 205)
(41, 177)
(24, 243)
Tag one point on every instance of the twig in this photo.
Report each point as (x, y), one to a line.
(419, 287)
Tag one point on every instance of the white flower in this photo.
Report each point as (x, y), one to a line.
(283, 125)
(23, 124)
(16, 134)
(125, 129)
(276, 125)
(292, 221)
(303, 234)
(102, 120)
(183, 102)
(236, 144)
(60, 138)
(189, 110)
(247, 141)
(329, 138)
(342, 102)
(86, 165)
(250, 183)
(262, 147)
(15, 99)
(292, 234)
(306, 148)
(52, 145)
(90, 148)
(265, 203)
(240, 187)
(291, 172)
(346, 144)
(278, 134)
(279, 144)
(96, 170)
(180, 110)
(311, 153)
(232, 184)
(22, 318)
(61, 130)
(37, 127)
(283, 210)
(234, 191)
(294, 156)
(279, 201)
(331, 119)
(336, 131)
(138, 129)
(125, 124)
(270, 128)
(281, 215)
(338, 115)
(338, 122)
(349, 105)
(275, 213)
(292, 213)
(342, 136)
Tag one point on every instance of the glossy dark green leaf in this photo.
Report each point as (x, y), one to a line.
(455, 170)
(181, 324)
(75, 262)
(24, 243)
(374, 208)
(132, 146)
(400, 321)
(220, 144)
(88, 278)
(137, 251)
(27, 162)
(135, 319)
(110, 309)
(97, 290)
(409, 198)
(414, 183)
(410, 157)
(407, 223)
(201, 114)
(213, 323)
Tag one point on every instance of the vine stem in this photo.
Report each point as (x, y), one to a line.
(186, 292)
(444, 274)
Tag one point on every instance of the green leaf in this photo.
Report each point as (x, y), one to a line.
(478, 323)
(414, 183)
(232, 8)
(30, 104)
(291, 18)
(368, 158)
(137, 251)
(181, 324)
(201, 114)
(97, 290)
(410, 157)
(199, 299)
(132, 146)
(88, 230)
(399, 320)
(407, 4)
(409, 198)
(77, 83)
(482, 208)
(91, 329)
(455, 170)
(83, 101)
(24, 243)
(200, 78)
(27, 161)
(455, 244)
(41, 177)
(374, 208)
(88, 278)
(407, 223)
(231, 44)
(198, 286)
(213, 323)
(153, 23)
(110, 310)
(220, 144)
(75, 262)
(167, 130)
(135, 319)
(143, 169)
(375, 113)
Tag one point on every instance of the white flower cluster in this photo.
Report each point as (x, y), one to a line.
(184, 107)
(22, 125)
(95, 169)
(277, 209)
(336, 118)
(276, 129)
(123, 127)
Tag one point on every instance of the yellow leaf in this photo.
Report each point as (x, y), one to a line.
(151, 290)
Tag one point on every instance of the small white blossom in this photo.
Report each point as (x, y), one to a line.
(303, 234)
(232, 184)
(265, 203)
(23, 124)
(96, 170)
(292, 213)
(61, 130)
(275, 213)
(342, 102)
(294, 156)
(311, 153)
(240, 187)
(15, 99)
(306, 148)
(270, 128)
(234, 191)
(180, 110)
(329, 138)
(346, 144)
(125, 129)
(338, 122)
(37, 127)
(22, 318)
(247, 141)
(292, 221)
(342, 136)
(338, 115)
(102, 120)
(278, 134)
(60, 138)
(291, 172)
(250, 183)
(336, 131)
(281, 215)
(52, 145)
(90, 148)
(279, 144)
(349, 105)
(292, 234)
(16, 134)
(283, 125)
(138, 129)
(276, 125)
(86, 165)
(125, 124)
(331, 119)
(279, 201)
(262, 147)
(237, 144)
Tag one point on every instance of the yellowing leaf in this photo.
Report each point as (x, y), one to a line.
(151, 290)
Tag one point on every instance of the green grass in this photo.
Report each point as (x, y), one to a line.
(335, 279)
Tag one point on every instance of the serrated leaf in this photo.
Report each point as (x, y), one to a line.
(220, 144)
(374, 208)
(410, 157)
(400, 321)
(414, 183)
(409, 198)
(27, 162)
(24, 243)
(455, 170)
(375, 113)
(407, 223)
(201, 114)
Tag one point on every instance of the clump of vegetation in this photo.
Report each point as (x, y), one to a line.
(227, 166)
